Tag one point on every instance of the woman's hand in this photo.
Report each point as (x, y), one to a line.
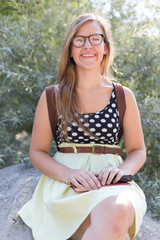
(107, 175)
(82, 178)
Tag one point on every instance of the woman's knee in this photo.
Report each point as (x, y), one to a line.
(116, 213)
(119, 210)
(112, 217)
(118, 220)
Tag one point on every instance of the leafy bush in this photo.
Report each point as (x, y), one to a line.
(31, 35)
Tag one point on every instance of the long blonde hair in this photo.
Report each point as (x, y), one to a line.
(67, 78)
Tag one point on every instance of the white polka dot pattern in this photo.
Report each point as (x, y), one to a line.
(104, 125)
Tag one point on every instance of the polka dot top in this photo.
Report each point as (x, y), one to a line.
(104, 125)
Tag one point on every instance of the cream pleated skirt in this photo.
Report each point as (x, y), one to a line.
(56, 211)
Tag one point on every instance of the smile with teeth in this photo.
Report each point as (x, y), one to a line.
(88, 55)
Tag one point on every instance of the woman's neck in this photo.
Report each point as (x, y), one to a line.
(89, 79)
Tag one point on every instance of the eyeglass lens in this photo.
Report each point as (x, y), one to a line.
(94, 39)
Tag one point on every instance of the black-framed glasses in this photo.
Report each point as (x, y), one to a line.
(95, 39)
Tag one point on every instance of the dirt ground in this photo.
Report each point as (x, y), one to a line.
(17, 184)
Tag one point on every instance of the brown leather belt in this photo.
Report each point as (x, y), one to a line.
(93, 149)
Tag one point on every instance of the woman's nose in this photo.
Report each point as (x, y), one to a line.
(87, 43)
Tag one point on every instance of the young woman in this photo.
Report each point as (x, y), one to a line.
(88, 122)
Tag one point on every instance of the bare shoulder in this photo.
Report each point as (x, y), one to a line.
(43, 97)
(42, 109)
(42, 103)
(128, 92)
(129, 96)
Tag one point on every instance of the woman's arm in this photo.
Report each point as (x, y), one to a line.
(133, 136)
(40, 148)
(41, 143)
(134, 143)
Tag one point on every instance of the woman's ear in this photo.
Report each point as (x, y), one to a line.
(105, 49)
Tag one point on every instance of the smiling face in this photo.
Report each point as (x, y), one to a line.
(89, 56)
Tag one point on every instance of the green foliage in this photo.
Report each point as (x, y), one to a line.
(8, 7)
(151, 187)
(31, 41)
(150, 112)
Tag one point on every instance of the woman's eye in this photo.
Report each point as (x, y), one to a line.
(79, 40)
(95, 39)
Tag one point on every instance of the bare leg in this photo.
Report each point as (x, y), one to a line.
(81, 230)
(110, 219)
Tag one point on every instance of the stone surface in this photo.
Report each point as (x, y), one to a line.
(17, 184)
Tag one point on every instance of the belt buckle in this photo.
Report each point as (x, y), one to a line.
(93, 149)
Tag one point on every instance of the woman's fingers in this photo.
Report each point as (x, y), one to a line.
(84, 179)
(118, 176)
(104, 174)
(94, 182)
(114, 176)
(90, 181)
(110, 175)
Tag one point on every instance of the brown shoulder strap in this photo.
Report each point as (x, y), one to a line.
(52, 110)
(121, 103)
